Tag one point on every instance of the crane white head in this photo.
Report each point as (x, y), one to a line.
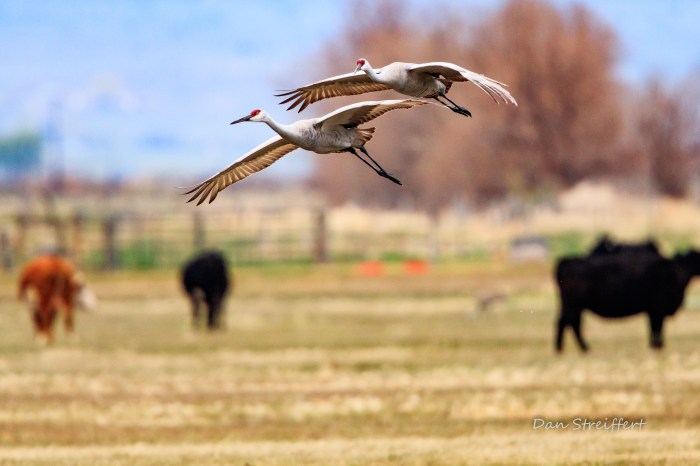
(362, 64)
(255, 115)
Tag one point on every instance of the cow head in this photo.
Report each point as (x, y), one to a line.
(85, 299)
(690, 261)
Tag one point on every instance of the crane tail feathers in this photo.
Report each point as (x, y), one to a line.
(495, 89)
(366, 134)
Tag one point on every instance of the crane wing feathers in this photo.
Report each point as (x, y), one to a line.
(448, 70)
(362, 112)
(495, 89)
(344, 84)
(257, 159)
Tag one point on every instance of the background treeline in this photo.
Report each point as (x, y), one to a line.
(576, 118)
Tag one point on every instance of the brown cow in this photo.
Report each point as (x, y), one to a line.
(58, 287)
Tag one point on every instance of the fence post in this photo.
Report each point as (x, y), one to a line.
(109, 231)
(5, 251)
(76, 249)
(320, 238)
(198, 231)
(22, 222)
(53, 220)
(434, 237)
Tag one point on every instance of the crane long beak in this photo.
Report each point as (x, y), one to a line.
(240, 120)
(357, 68)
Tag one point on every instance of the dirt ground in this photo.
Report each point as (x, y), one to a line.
(318, 365)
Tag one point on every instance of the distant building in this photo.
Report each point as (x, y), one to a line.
(529, 248)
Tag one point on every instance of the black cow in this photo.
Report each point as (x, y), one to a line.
(621, 285)
(206, 280)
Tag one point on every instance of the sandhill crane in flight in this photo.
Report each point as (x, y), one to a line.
(428, 80)
(336, 132)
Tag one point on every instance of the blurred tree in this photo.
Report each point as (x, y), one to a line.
(666, 135)
(558, 64)
(20, 154)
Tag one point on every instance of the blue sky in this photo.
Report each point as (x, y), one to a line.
(149, 87)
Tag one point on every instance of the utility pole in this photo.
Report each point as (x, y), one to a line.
(54, 156)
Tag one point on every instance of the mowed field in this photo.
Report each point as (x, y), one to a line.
(319, 365)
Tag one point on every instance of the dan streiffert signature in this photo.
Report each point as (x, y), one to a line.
(614, 424)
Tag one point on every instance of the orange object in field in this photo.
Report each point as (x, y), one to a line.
(370, 268)
(416, 267)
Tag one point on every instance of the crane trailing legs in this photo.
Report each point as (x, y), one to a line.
(455, 107)
(378, 169)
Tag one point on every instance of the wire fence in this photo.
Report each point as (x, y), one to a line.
(131, 240)
(149, 230)
(130, 237)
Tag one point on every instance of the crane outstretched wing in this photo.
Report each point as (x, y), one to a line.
(362, 112)
(257, 159)
(450, 71)
(344, 84)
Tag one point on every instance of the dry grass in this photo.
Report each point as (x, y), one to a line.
(330, 368)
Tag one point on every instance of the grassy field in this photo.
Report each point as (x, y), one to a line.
(321, 366)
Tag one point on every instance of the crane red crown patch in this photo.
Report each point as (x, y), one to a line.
(254, 112)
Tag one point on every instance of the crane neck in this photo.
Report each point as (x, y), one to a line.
(279, 128)
(373, 75)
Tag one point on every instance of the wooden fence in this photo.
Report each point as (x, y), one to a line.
(143, 230)
(150, 227)
(137, 240)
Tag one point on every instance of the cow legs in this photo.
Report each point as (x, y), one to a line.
(195, 312)
(561, 326)
(214, 311)
(68, 325)
(44, 315)
(211, 315)
(212, 302)
(40, 335)
(576, 326)
(68, 321)
(571, 319)
(196, 299)
(43, 322)
(656, 324)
